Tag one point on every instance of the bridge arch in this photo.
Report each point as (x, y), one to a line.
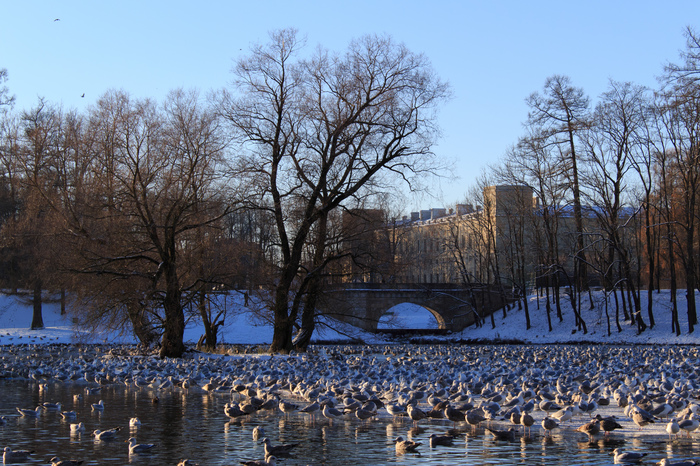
(363, 304)
(411, 316)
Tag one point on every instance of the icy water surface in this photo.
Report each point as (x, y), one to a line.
(194, 426)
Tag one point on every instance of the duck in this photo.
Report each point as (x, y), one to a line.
(139, 447)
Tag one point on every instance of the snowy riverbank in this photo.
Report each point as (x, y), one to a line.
(242, 327)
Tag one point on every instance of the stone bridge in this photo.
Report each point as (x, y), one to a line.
(363, 304)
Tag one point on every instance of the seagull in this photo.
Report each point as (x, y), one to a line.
(30, 412)
(55, 461)
(673, 428)
(233, 411)
(502, 434)
(57, 19)
(52, 406)
(278, 450)
(69, 414)
(99, 406)
(395, 410)
(258, 432)
(564, 414)
(628, 456)
(590, 429)
(134, 422)
(474, 417)
(83, 95)
(330, 412)
(442, 440)
(79, 427)
(10, 456)
(641, 417)
(415, 413)
(667, 462)
(311, 408)
(287, 407)
(527, 421)
(549, 424)
(453, 414)
(405, 446)
(106, 434)
(138, 447)
(363, 414)
(691, 424)
(608, 424)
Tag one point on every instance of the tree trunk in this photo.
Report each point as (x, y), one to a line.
(308, 316)
(283, 329)
(210, 328)
(141, 325)
(37, 317)
(172, 345)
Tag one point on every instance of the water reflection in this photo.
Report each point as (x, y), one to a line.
(193, 425)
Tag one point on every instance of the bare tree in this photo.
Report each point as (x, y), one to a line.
(154, 178)
(6, 100)
(681, 124)
(560, 113)
(323, 132)
(610, 149)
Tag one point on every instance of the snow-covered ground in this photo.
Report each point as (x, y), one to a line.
(242, 327)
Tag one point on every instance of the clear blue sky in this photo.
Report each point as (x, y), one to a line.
(493, 53)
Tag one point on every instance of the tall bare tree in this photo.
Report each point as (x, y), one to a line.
(681, 122)
(321, 132)
(155, 176)
(610, 148)
(560, 113)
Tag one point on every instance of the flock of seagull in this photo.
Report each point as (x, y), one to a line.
(503, 391)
